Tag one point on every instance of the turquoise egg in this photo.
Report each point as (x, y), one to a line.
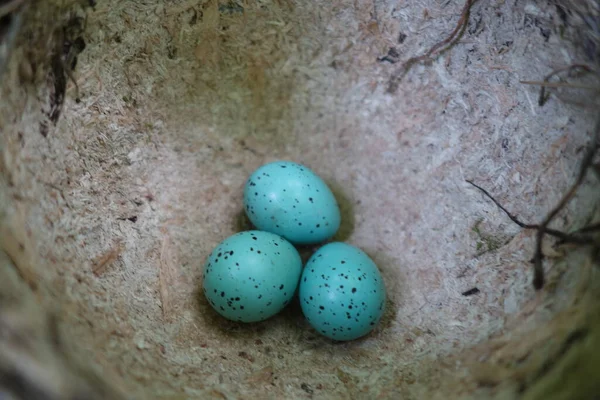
(342, 292)
(251, 276)
(290, 200)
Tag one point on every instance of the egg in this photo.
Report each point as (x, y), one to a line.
(251, 276)
(342, 293)
(290, 200)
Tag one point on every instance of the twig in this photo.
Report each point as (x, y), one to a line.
(438, 48)
(582, 232)
(565, 237)
(538, 279)
(511, 216)
(590, 228)
(542, 229)
(543, 97)
(561, 85)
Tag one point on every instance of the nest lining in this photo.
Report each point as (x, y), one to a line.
(117, 204)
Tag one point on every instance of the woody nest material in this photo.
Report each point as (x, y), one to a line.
(128, 129)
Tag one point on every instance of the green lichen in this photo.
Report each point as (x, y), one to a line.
(485, 243)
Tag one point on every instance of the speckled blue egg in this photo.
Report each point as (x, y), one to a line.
(251, 276)
(342, 293)
(290, 200)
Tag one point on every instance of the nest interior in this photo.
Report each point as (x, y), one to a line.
(114, 190)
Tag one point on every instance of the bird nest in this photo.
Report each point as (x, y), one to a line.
(460, 139)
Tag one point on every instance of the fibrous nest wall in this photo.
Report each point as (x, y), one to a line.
(129, 128)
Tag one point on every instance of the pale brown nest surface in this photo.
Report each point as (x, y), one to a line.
(110, 204)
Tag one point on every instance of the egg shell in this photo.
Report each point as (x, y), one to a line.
(342, 292)
(290, 200)
(251, 276)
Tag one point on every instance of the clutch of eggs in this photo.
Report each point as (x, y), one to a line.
(253, 275)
